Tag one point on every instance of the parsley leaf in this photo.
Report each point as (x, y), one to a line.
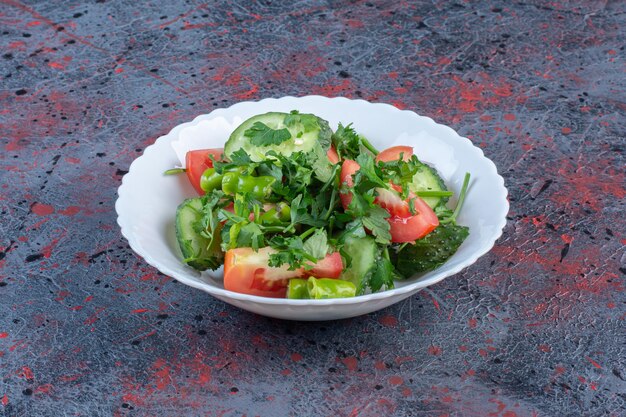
(382, 275)
(261, 134)
(349, 144)
(240, 157)
(309, 122)
(250, 235)
(369, 170)
(376, 221)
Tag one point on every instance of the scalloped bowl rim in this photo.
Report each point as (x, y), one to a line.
(219, 292)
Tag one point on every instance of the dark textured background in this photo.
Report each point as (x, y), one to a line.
(534, 328)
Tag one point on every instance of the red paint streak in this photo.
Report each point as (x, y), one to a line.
(395, 380)
(248, 94)
(4, 335)
(67, 33)
(351, 363)
(566, 130)
(204, 370)
(402, 359)
(44, 389)
(388, 321)
(296, 357)
(258, 341)
(353, 23)
(140, 310)
(399, 104)
(566, 238)
(435, 350)
(70, 211)
(93, 318)
(380, 365)
(57, 65)
(510, 117)
(393, 75)
(26, 373)
(182, 16)
(483, 353)
(5, 400)
(188, 26)
(47, 250)
(345, 88)
(594, 363)
(472, 323)
(72, 160)
(285, 372)
(162, 377)
(477, 95)
(49, 22)
(544, 348)
(42, 209)
(118, 70)
(463, 348)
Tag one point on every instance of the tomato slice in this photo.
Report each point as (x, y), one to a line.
(333, 156)
(348, 168)
(247, 272)
(329, 267)
(404, 226)
(198, 161)
(393, 154)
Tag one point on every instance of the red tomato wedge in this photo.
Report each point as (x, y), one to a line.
(247, 272)
(333, 156)
(405, 226)
(348, 168)
(393, 154)
(198, 161)
(329, 267)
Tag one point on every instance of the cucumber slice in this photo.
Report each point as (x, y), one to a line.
(309, 134)
(198, 252)
(363, 253)
(427, 179)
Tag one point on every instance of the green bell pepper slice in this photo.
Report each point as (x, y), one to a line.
(298, 289)
(258, 187)
(281, 212)
(320, 288)
(210, 180)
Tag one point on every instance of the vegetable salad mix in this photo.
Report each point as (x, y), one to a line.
(292, 209)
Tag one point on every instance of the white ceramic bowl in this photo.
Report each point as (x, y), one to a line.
(147, 199)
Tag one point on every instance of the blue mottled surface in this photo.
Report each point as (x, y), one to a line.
(534, 328)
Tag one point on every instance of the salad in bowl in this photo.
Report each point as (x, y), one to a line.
(292, 209)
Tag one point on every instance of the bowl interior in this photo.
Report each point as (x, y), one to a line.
(148, 199)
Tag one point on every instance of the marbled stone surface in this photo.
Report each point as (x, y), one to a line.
(534, 328)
